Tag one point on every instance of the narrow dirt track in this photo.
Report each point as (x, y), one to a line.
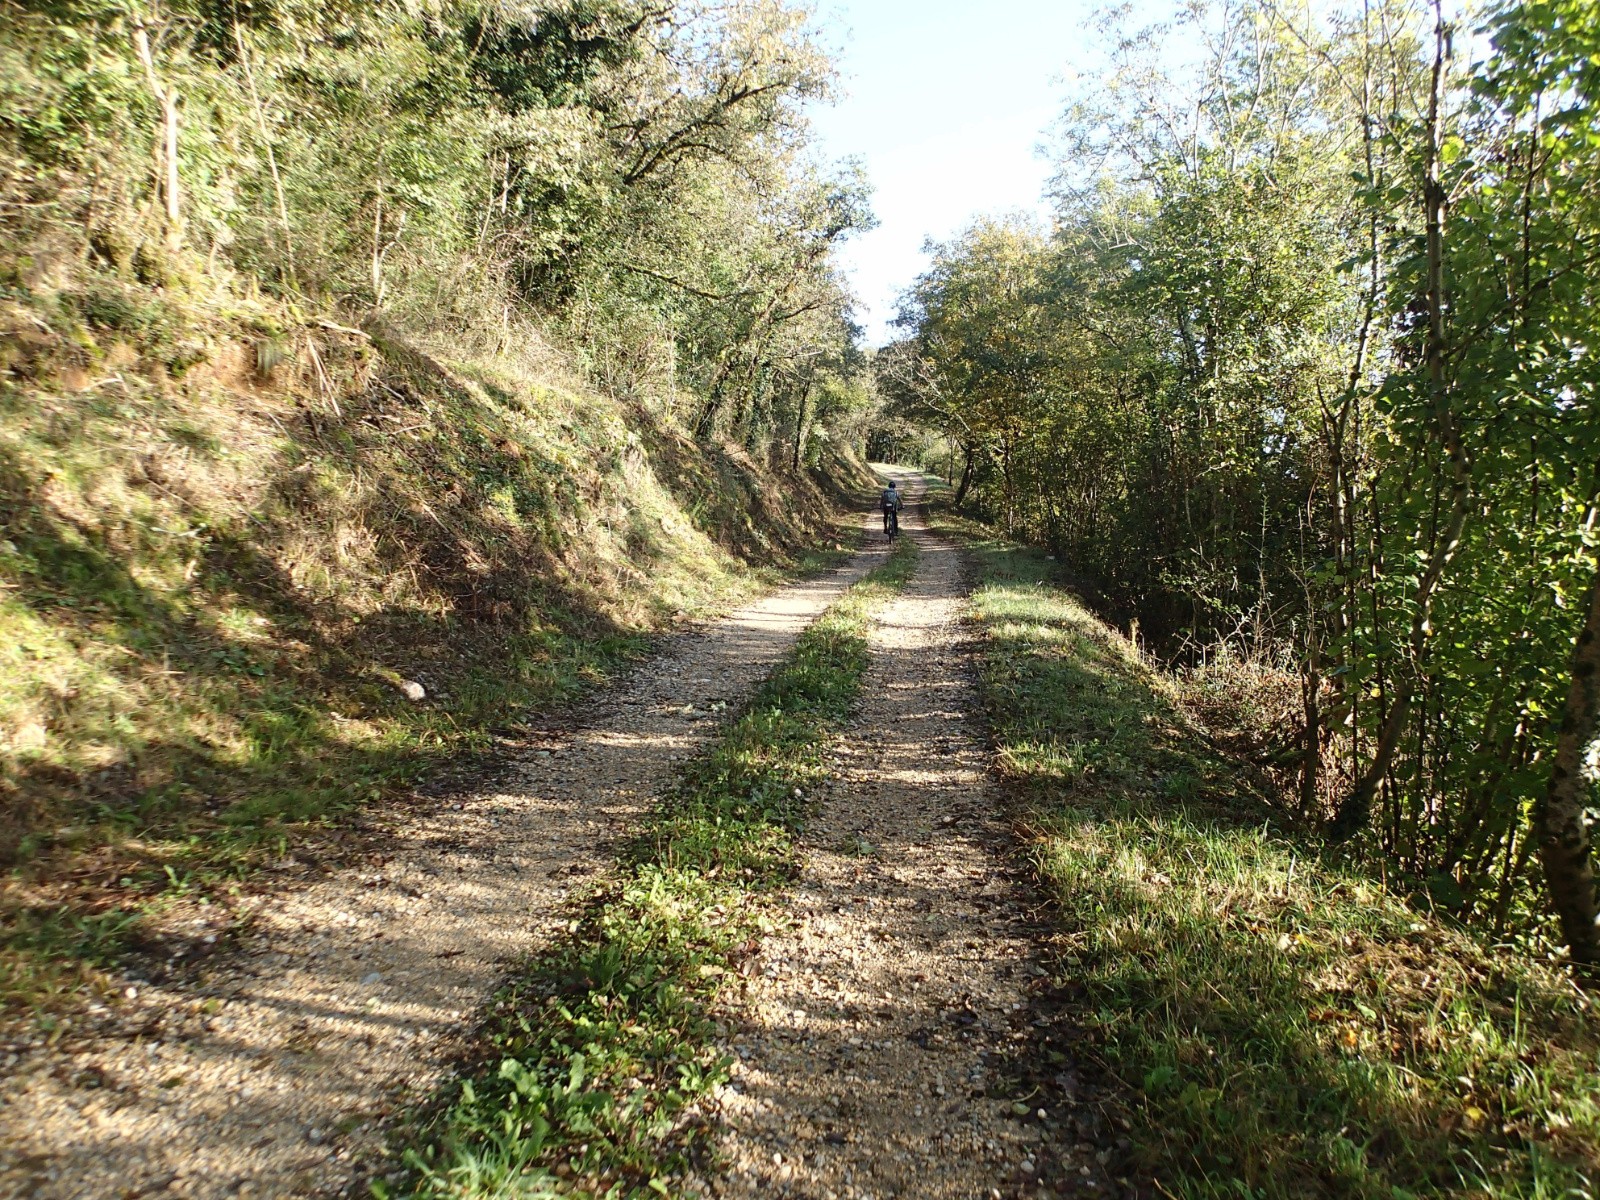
(273, 1080)
(868, 1048)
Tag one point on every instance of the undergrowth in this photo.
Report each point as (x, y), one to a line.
(596, 1055)
(230, 540)
(1284, 1026)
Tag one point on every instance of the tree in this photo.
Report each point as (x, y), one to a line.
(1304, 371)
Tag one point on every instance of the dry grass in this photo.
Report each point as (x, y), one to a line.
(230, 536)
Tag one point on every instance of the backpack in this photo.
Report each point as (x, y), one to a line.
(889, 500)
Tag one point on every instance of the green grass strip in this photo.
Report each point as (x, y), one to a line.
(1284, 1027)
(594, 1057)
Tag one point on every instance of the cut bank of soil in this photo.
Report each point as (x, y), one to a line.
(875, 1050)
(273, 1081)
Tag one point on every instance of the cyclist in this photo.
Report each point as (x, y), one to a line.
(889, 501)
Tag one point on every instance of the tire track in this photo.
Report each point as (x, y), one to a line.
(276, 1079)
(872, 1051)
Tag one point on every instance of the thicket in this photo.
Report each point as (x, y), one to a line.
(1303, 377)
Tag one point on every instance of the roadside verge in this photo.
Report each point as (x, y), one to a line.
(1280, 1026)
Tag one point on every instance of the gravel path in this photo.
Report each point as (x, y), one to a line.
(872, 1050)
(274, 1080)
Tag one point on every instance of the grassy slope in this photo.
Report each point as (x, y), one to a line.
(231, 533)
(594, 1057)
(1284, 1027)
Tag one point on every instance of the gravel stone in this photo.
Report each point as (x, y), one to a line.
(902, 976)
(230, 1108)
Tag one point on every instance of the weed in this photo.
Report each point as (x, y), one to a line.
(596, 1054)
(107, 306)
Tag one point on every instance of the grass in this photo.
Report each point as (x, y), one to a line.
(213, 584)
(1282, 1027)
(594, 1057)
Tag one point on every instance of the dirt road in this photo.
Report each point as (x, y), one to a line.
(877, 1049)
(273, 1080)
(873, 1051)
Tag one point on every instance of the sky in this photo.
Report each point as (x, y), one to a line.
(946, 102)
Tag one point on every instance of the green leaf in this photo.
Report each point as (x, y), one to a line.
(1159, 1079)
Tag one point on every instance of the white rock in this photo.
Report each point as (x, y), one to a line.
(412, 690)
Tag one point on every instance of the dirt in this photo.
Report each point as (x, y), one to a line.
(896, 1042)
(273, 1076)
(886, 1048)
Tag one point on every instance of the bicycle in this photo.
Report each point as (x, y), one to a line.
(891, 523)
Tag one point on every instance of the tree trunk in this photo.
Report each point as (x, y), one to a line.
(966, 474)
(1560, 820)
(800, 427)
(1356, 808)
(1311, 696)
(272, 158)
(377, 249)
(171, 188)
(168, 182)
